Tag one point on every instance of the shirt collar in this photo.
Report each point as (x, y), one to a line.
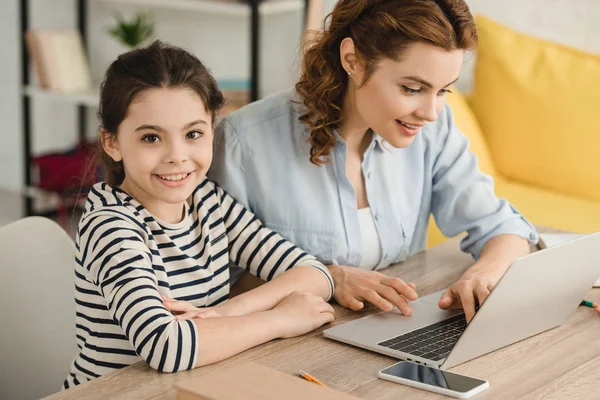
(385, 146)
(376, 141)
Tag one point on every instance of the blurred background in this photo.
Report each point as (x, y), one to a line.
(48, 98)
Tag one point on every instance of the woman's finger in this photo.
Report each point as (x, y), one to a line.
(482, 293)
(349, 301)
(449, 300)
(392, 296)
(354, 304)
(401, 287)
(467, 299)
(374, 298)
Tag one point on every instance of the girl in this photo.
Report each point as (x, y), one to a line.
(157, 226)
(351, 164)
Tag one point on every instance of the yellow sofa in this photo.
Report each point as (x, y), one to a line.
(533, 120)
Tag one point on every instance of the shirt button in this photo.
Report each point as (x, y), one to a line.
(385, 256)
(377, 216)
(369, 175)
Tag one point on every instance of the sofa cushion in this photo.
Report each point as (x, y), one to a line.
(468, 125)
(538, 105)
(551, 209)
(542, 207)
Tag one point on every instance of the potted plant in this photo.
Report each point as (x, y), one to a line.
(132, 33)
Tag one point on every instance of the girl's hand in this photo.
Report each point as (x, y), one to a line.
(353, 286)
(185, 310)
(299, 313)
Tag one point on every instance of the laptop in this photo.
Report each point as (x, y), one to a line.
(538, 292)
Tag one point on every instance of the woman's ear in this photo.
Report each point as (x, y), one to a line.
(351, 62)
(110, 145)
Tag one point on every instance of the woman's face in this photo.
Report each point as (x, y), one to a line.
(401, 96)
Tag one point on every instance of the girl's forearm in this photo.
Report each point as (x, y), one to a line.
(220, 338)
(265, 297)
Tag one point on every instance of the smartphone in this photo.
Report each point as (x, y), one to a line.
(434, 380)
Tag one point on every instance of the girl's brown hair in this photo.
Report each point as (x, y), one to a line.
(157, 66)
(379, 29)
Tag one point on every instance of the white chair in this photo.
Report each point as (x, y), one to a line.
(37, 308)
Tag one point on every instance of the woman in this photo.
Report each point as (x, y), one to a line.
(351, 163)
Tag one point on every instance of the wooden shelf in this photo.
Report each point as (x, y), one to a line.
(270, 7)
(89, 99)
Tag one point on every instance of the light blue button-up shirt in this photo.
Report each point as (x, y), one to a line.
(262, 158)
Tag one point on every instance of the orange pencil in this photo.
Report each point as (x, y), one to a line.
(311, 378)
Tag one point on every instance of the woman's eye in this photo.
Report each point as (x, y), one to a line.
(444, 91)
(151, 138)
(410, 90)
(194, 134)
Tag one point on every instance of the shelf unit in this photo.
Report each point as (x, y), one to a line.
(88, 99)
(214, 6)
(248, 8)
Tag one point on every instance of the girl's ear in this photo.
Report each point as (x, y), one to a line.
(110, 145)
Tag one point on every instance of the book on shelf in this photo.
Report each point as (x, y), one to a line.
(58, 59)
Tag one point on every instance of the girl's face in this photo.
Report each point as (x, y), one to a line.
(402, 96)
(165, 143)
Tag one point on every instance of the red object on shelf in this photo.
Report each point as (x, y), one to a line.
(67, 172)
(70, 175)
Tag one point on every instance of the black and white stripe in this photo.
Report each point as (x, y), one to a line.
(126, 259)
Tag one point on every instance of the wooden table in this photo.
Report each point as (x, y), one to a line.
(563, 363)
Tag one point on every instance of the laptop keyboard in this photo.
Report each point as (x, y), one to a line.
(432, 342)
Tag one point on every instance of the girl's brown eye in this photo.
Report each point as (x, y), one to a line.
(151, 138)
(194, 135)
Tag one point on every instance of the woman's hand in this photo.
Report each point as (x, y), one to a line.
(475, 285)
(186, 310)
(469, 291)
(353, 286)
(299, 313)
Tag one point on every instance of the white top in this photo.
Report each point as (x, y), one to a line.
(371, 248)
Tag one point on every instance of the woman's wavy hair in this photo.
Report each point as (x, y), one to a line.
(379, 29)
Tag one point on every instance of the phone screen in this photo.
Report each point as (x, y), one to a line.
(432, 376)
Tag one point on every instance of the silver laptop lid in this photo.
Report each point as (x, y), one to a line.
(538, 292)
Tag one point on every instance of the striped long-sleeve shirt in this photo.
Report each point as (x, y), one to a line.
(126, 259)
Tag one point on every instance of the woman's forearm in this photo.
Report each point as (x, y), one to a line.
(498, 253)
(265, 297)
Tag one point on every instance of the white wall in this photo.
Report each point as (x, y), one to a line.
(10, 100)
(573, 23)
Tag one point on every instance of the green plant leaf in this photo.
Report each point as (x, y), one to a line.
(133, 32)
